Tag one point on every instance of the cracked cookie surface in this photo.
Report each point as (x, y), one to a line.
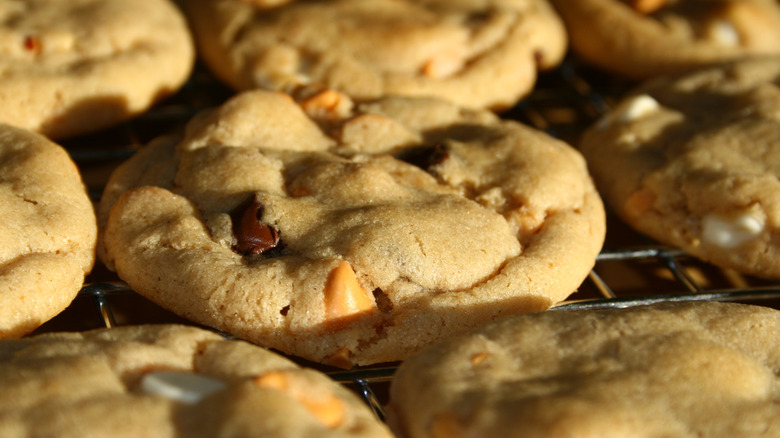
(701, 369)
(647, 38)
(74, 67)
(692, 161)
(168, 381)
(48, 231)
(475, 53)
(355, 239)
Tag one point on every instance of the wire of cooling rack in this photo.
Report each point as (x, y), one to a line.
(564, 102)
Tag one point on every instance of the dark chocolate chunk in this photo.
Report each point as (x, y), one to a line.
(252, 235)
(382, 301)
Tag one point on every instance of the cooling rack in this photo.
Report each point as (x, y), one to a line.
(630, 270)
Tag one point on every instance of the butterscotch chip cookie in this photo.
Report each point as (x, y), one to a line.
(673, 369)
(168, 381)
(692, 161)
(474, 53)
(352, 240)
(48, 231)
(71, 67)
(647, 38)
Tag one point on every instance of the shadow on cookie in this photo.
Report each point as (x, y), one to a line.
(91, 115)
(406, 328)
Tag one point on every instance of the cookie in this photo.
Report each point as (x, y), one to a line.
(168, 381)
(78, 66)
(48, 230)
(353, 238)
(640, 39)
(691, 161)
(674, 369)
(476, 54)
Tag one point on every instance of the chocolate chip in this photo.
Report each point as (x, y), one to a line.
(424, 157)
(382, 301)
(252, 235)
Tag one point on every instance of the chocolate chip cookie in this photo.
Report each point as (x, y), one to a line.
(352, 233)
(48, 231)
(692, 161)
(477, 54)
(71, 67)
(646, 38)
(674, 369)
(168, 381)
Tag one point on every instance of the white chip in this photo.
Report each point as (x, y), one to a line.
(178, 386)
(632, 109)
(724, 33)
(638, 107)
(733, 230)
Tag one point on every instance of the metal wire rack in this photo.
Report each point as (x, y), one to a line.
(629, 271)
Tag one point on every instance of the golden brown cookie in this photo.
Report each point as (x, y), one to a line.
(168, 381)
(71, 67)
(701, 369)
(474, 53)
(48, 231)
(646, 38)
(354, 238)
(692, 161)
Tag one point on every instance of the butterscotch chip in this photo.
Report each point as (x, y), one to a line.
(646, 6)
(324, 406)
(71, 67)
(646, 38)
(385, 246)
(674, 369)
(344, 296)
(640, 202)
(476, 54)
(697, 167)
(326, 104)
(48, 231)
(168, 381)
(478, 358)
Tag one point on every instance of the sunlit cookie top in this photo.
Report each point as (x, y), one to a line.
(352, 235)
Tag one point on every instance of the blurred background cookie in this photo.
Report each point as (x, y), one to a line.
(692, 161)
(477, 54)
(168, 381)
(645, 38)
(672, 369)
(78, 66)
